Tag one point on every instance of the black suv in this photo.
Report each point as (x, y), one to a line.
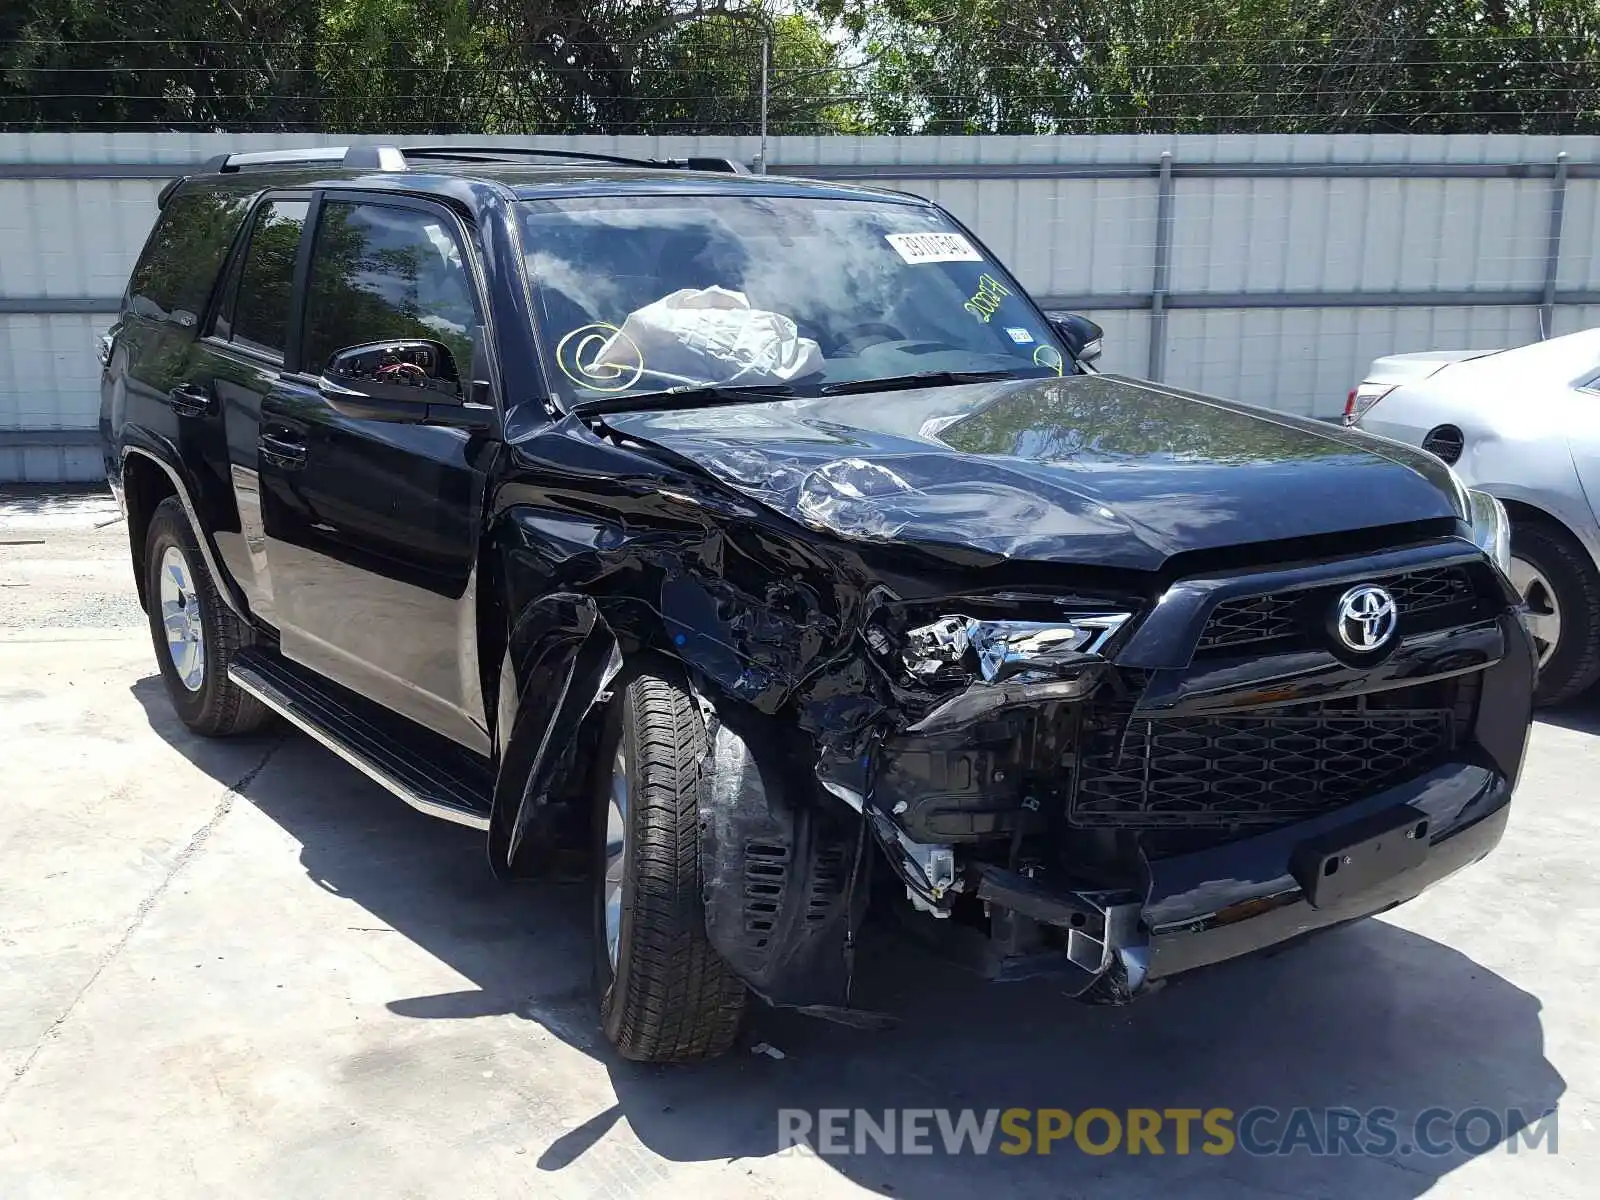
(756, 547)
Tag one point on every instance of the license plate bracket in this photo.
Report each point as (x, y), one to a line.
(1360, 855)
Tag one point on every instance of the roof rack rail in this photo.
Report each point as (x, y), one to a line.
(395, 158)
(471, 152)
(371, 158)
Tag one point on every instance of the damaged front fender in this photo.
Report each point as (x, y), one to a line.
(795, 647)
(565, 656)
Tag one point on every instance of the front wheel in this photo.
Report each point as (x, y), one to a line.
(665, 993)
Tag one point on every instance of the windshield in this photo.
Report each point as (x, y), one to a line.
(641, 294)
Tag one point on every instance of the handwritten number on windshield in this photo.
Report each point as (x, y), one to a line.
(986, 301)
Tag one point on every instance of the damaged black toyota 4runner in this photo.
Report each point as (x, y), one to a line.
(754, 546)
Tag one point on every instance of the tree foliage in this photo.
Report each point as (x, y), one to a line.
(1279, 66)
(873, 66)
(436, 66)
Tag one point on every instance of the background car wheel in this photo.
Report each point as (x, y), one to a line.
(665, 993)
(1561, 587)
(196, 635)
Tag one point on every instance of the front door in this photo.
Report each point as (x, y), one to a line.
(372, 527)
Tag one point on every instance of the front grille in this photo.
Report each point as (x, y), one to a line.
(1265, 768)
(1428, 599)
(1249, 619)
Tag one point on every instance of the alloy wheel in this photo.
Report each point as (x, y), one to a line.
(616, 853)
(180, 618)
(1544, 610)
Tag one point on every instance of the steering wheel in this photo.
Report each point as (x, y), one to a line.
(876, 330)
(402, 372)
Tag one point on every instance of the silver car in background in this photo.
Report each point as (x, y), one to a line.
(1524, 426)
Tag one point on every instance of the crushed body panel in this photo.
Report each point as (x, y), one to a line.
(993, 792)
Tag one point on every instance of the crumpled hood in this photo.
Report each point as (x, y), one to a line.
(1091, 469)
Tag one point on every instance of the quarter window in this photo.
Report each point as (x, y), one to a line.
(180, 262)
(381, 273)
(261, 308)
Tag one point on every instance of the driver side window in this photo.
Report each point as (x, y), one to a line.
(380, 272)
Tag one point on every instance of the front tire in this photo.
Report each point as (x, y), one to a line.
(665, 993)
(196, 634)
(1559, 584)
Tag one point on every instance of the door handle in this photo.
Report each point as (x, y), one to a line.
(283, 450)
(188, 400)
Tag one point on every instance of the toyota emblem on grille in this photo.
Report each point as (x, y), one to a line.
(1365, 618)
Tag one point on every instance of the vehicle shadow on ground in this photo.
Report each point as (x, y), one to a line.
(1368, 1016)
(1581, 715)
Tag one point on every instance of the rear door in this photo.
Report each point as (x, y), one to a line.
(247, 347)
(372, 527)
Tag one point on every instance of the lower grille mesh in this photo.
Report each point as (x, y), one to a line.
(1266, 768)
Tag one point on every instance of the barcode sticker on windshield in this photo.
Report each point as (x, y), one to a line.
(933, 247)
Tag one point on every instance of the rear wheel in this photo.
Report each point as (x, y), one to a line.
(665, 993)
(196, 635)
(1559, 583)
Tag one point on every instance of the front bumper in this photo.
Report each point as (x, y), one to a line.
(1206, 907)
(1192, 909)
(1266, 920)
(1188, 909)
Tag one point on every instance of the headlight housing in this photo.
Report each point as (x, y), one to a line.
(1491, 528)
(961, 648)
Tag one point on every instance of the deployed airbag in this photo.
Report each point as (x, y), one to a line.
(711, 336)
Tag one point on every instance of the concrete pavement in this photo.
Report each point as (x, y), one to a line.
(239, 968)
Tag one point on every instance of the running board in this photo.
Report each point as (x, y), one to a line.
(427, 771)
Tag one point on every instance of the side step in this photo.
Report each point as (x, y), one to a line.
(427, 771)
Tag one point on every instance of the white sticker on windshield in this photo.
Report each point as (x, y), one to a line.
(933, 247)
(1020, 336)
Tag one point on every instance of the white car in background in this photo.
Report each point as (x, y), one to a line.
(1524, 426)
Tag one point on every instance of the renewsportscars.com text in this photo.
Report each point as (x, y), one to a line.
(1259, 1131)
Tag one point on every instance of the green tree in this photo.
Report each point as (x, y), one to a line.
(440, 66)
(872, 66)
(1040, 66)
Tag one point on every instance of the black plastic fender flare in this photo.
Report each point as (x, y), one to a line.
(202, 536)
(563, 656)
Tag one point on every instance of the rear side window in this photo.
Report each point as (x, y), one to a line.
(261, 306)
(379, 272)
(179, 266)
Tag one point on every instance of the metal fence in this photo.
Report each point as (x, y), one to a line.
(1269, 268)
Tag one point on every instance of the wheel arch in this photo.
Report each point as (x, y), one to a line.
(148, 478)
(1570, 655)
(565, 665)
(144, 486)
(560, 659)
(1524, 510)
(760, 622)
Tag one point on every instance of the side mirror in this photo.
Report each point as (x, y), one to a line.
(1078, 334)
(412, 381)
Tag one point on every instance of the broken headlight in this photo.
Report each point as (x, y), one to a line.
(958, 649)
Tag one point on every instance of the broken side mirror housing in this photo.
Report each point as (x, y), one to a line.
(1078, 334)
(412, 381)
